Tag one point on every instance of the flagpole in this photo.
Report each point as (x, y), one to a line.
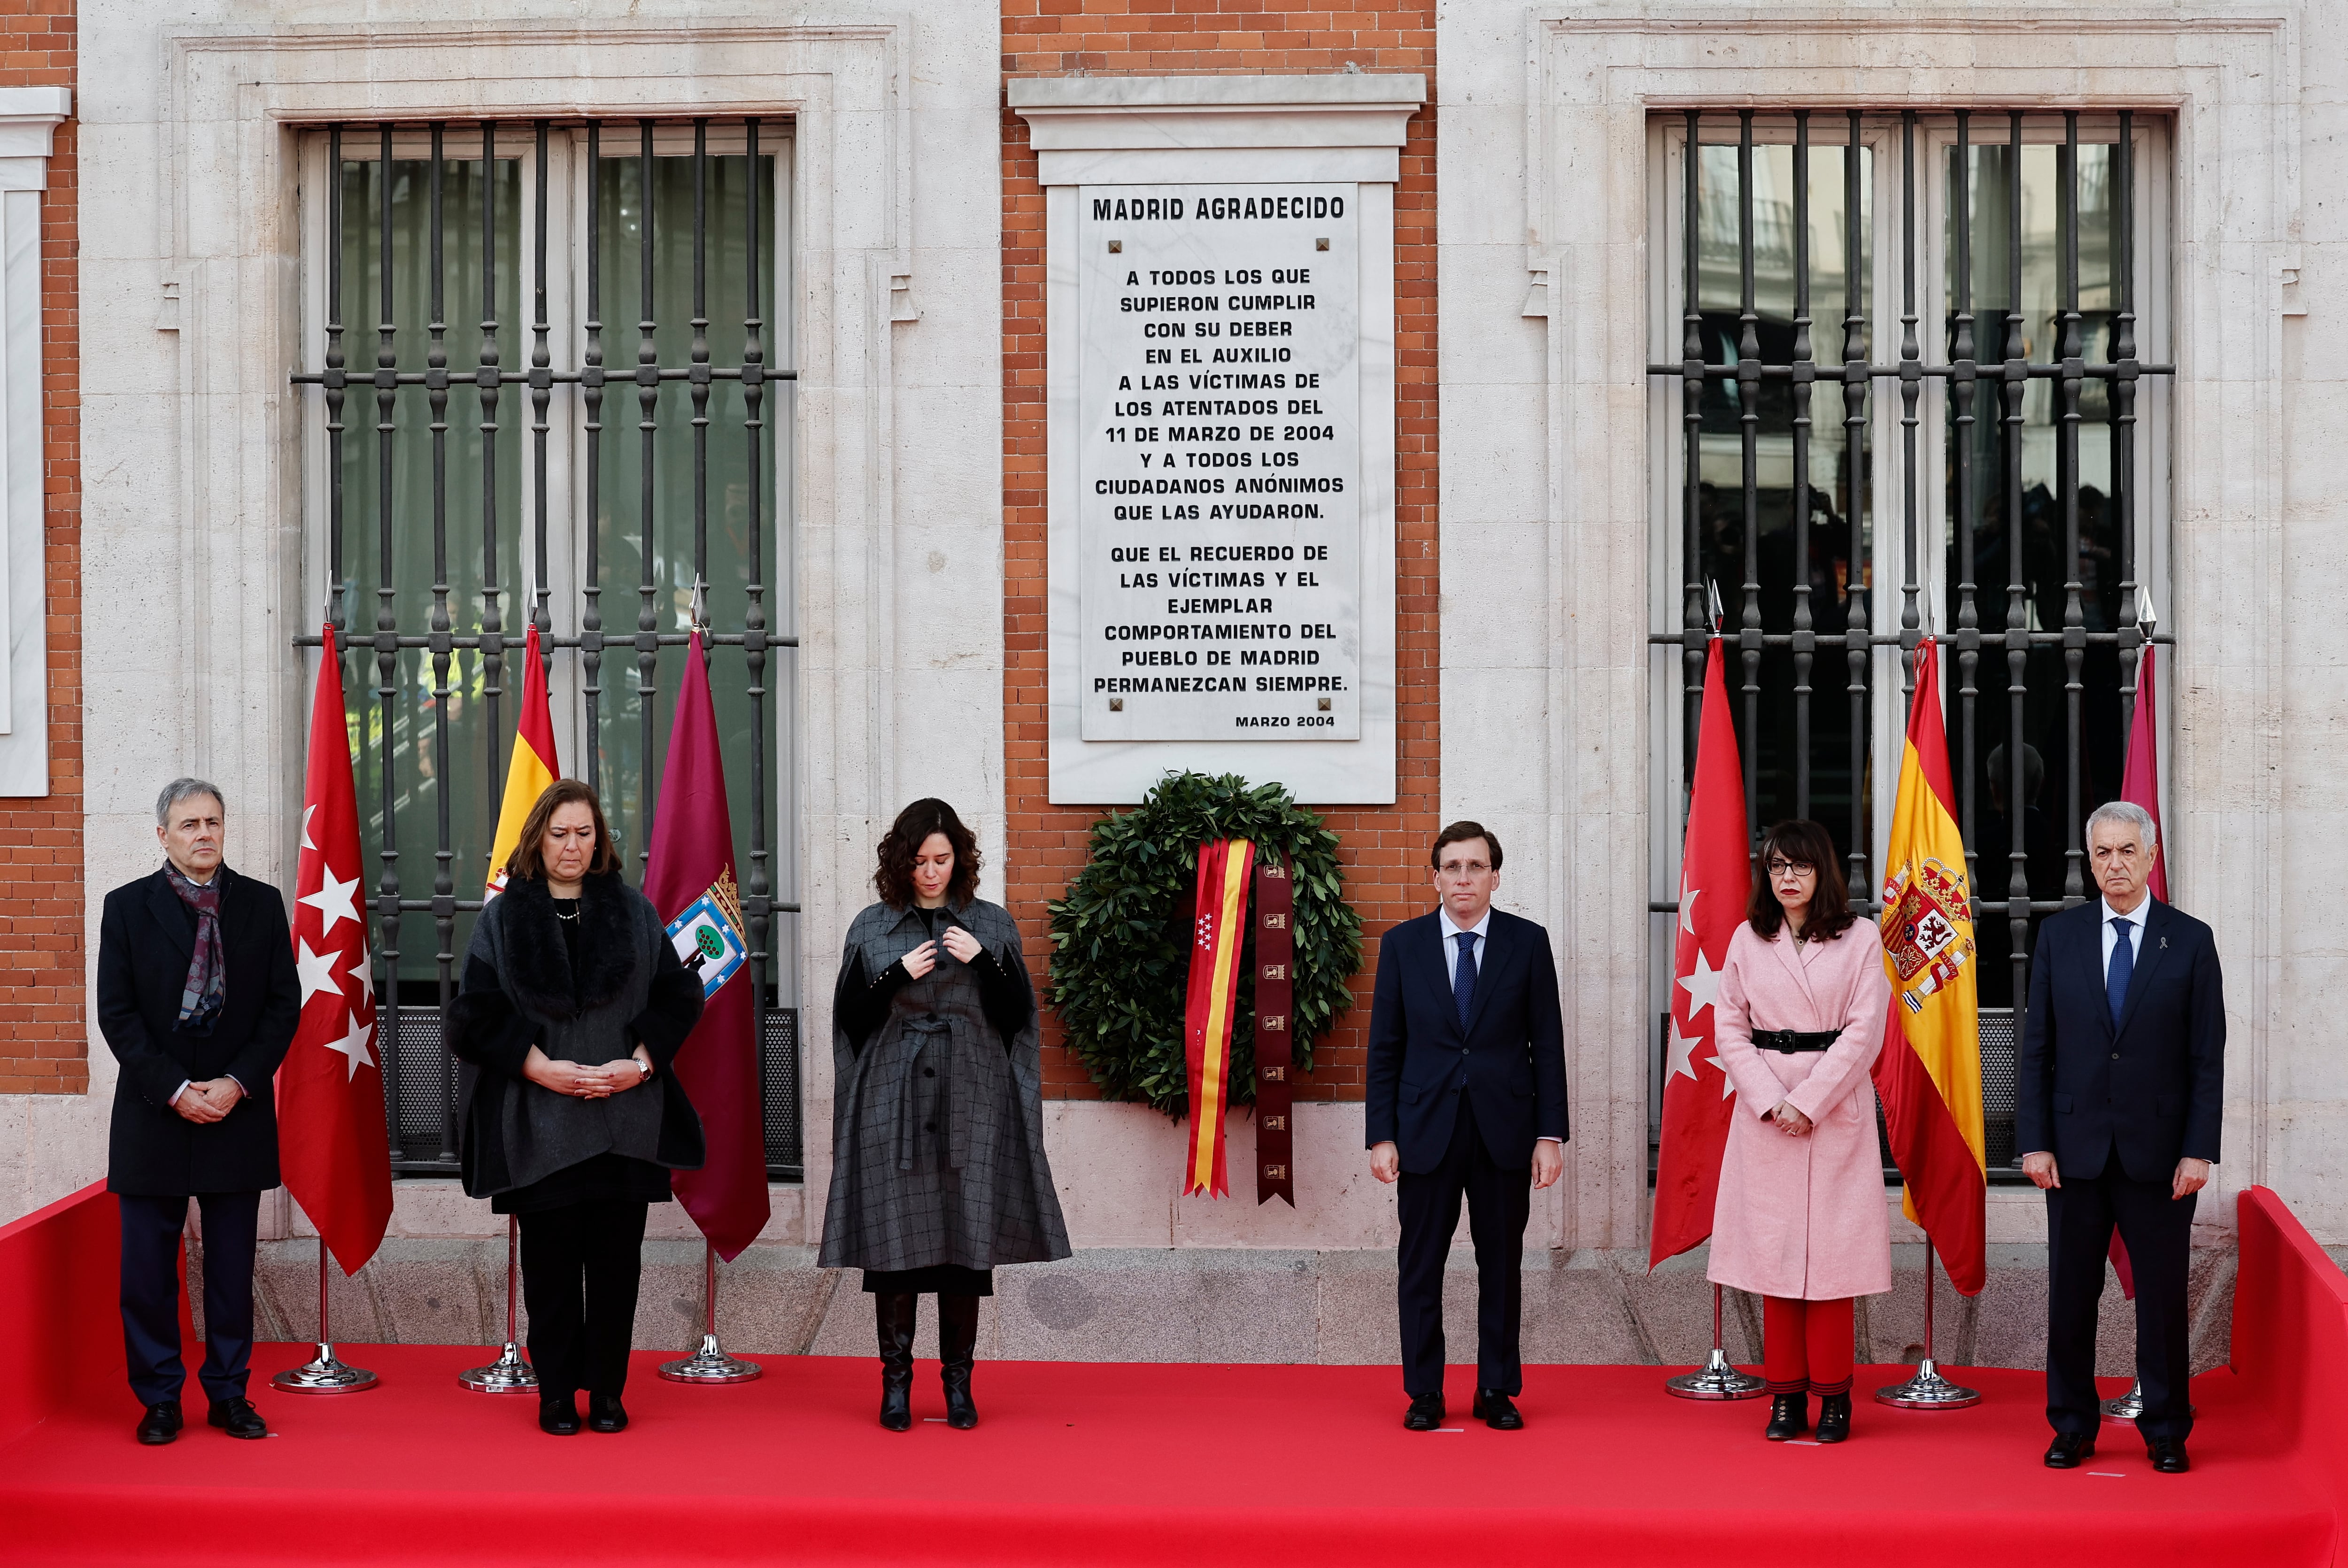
(710, 1364)
(508, 1374)
(1717, 1379)
(1928, 1390)
(325, 1372)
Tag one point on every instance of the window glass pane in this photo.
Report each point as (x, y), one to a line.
(2023, 572)
(1835, 561)
(436, 534)
(652, 590)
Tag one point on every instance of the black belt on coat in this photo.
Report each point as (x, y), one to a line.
(1793, 1040)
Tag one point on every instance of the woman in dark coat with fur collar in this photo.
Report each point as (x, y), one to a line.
(574, 1006)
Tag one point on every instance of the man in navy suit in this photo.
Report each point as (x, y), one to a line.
(1467, 1097)
(2122, 1077)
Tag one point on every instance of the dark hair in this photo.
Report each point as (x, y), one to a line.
(1459, 833)
(1805, 844)
(906, 835)
(526, 861)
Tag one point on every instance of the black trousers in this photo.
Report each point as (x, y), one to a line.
(580, 1267)
(150, 1293)
(2158, 1231)
(1499, 1201)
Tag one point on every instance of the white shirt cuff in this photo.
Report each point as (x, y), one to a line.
(179, 1092)
(1546, 1139)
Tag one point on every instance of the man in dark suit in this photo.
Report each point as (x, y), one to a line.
(2122, 1077)
(1467, 1097)
(196, 997)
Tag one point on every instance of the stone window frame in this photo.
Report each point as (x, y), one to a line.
(1585, 88)
(29, 117)
(238, 102)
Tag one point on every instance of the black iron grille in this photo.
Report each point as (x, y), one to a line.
(425, 525)
(2033, 225)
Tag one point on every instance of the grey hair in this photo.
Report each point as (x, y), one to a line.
(2125, 811)
(179, 790)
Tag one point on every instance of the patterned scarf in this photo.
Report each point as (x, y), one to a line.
(206, 988)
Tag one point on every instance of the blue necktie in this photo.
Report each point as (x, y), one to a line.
(1463, 978)
(2116, 983)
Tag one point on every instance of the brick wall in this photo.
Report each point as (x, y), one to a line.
(43, 1036)
(1384, 849)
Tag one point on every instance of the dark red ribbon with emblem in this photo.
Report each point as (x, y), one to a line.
(1275, 1022)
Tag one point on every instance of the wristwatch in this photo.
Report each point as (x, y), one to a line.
(643, 1068)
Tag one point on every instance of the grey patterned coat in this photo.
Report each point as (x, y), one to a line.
(937, 1133)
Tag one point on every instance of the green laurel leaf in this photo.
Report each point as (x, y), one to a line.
(1121, 935)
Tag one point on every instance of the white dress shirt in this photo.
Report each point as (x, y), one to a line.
(1452, 931)
(2135, 919)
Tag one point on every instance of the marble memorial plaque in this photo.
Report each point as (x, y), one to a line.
(1219, 518)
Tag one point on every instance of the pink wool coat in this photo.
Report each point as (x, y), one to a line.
(1802, 1217)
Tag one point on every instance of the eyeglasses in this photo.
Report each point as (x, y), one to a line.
(1462, 868)
(1779, 867)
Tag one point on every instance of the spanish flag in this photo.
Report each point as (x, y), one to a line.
(532, 767)
(1929, 1073)
(1217, 933)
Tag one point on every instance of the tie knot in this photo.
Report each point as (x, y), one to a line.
(1466, 939)
(2124, 923)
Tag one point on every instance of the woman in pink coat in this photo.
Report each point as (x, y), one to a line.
(1801, 1217)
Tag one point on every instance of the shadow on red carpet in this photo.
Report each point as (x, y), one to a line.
(1089, 1463)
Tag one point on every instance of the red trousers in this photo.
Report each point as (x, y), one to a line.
(1807, 1344)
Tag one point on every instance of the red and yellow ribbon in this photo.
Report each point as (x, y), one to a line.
(1217, 935)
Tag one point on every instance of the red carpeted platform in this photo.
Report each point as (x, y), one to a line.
(1078, 1463)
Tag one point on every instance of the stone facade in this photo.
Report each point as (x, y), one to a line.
(1523, 564)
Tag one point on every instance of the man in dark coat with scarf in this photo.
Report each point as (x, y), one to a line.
(198, 998)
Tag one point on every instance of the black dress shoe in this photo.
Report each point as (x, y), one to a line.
(559, 1414)
(238, 1419)
(1834, 1418)
(1496, 1410)
(160, 1424)
(1789, 1417)
(606, 1414)
(2167, 1455)
(2068, 1448)
(1425, 1412)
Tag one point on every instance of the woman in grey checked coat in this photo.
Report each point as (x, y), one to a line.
(938, 1167)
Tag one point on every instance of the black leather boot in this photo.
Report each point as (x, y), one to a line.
(1834, 1418)
(894, 1316)
(1789, 1417)
(957, 1349)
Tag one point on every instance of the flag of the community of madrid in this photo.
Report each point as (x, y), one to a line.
(331, 1137)
(1716, 883)
(1930, 1072)
(531, 768)
(690, 879)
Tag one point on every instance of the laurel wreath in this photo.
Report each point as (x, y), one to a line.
(1121, 936)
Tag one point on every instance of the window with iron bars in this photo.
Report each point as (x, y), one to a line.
(1835, 476)
(541, 387)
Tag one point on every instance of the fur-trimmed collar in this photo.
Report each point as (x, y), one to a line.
(538, 959)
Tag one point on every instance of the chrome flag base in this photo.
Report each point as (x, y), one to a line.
(508, 1374)
(2130, 1405)
(322, 1373)
(1928, 1390)
(710, 1364)
(1717, 1379)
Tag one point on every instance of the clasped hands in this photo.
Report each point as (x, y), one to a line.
(924, 958)
(208, 1102)
(1791, 1122)
(582, 1082)
(2191, 1176)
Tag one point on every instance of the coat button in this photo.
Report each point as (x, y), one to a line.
(931, 1018)
(2115, 1056)
(929, 1127)
(928, 1072)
